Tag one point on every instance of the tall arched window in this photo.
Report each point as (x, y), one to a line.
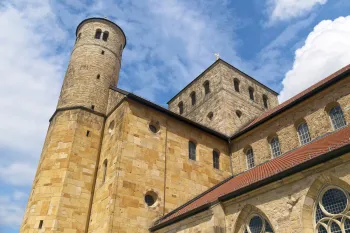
(192, 150)
(193, 98)
(98, 34)
(265, 100)
(236, 84)
(332, 211)
(105, 35)
(181, 107)
(304, 134)
(275, 147)
(216, 159)
(250, 158)
(337, 117)
(251, 93)
(105, 164)
(206, 87)
(258, 224)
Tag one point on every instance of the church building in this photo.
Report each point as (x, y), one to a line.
(225, 157)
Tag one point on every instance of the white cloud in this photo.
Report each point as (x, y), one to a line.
(282, 10)
(11, 213)
(326, 49)
(17, 174)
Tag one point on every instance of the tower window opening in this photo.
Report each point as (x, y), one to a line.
(105, 35)
(216, 159)
(193, 98)
(192, 150)
(181, 107)
(93, 107)
(239, 113)
(98, 76)
(151, 198)
(265, 100)
(105, 163)
(210, 115)
(206, 87)
(41, 224)
(98, 34)
(251, 93)
(236, 84)
(102, 52)
(87, 133)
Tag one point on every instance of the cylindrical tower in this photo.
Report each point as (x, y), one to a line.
(94, 65)
(62, 191)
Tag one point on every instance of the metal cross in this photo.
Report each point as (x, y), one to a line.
(217, 55)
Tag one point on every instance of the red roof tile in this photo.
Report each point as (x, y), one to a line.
(266, 170)
(294, 99)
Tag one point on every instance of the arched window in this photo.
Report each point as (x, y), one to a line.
(206, 87)
(98, 34)
(105, 163)
(250, 158)
(238, 113)
(236, 84)
(337, 117)
(105, 35)
(275, 147)
(304, 134)
(265, 100)
(193, 98)
(210, 115)
(258, 224)
(332, 211)
(216, 159)
(192, 150)
(251, 93)
(181, 107)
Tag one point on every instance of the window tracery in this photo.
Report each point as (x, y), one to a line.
(258, 224)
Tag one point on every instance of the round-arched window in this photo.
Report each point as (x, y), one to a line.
(258, 224)
(332, 211)
(151, 198)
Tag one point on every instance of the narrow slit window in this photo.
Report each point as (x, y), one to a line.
(98, 76)
(216, 159)
(41, 224)
(251, 93)
(193, 98)
(93, 107)
(236, 84)
(87, 133)
(105, 163)
(102, 52)
(266, 101)
(192, 150)
(250, 158)
(181, 107)
(98, 34)
(105, 35)
(206, 86)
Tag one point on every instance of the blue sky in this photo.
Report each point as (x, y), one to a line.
(285, 44)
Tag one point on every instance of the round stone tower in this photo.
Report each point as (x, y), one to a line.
(94, 65)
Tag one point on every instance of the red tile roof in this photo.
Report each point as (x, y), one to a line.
(293, 100)
(292, 159)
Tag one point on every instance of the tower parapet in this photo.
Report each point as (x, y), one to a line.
(94, 65)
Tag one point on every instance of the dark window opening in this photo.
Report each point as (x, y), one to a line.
(265, 100)
(216, 159)
(251, 93)
(239, 113)
(105, 163)
(210, 115)
(41, 224)
(149, 199)
(192, 150)
(98, 34)
(98, 76)
(87, 133)
(181, 107)
(236, 84)
(206, 87)
(105, 35)
(93, 107)
(193, 98)
(102, 52)
(153, 128)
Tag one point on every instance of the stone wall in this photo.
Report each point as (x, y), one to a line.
(288, 205)
(140, 162)
(223, 101)
(61, 191)
(312, 110)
